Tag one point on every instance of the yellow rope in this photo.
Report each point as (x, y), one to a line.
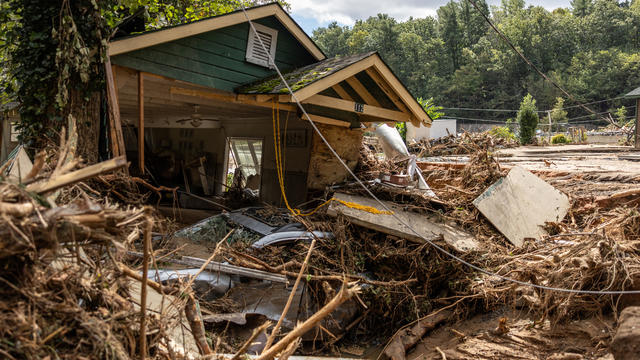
(280, 174)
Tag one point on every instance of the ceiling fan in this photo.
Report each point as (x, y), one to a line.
(196, 119)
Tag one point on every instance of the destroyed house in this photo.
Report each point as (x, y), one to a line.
(199, 101)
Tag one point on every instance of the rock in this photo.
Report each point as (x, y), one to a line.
(626, 343)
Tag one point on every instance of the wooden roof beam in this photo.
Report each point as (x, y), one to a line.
(230, 98)
(342, 92)
(362, 91)
(351, 106)
(407, 98)
(326, 120)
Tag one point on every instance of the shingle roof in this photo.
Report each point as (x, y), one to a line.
(301, 77)
(635, 93)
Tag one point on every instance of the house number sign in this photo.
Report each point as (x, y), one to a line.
(359, 107)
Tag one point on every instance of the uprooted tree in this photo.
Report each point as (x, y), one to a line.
(53, 52)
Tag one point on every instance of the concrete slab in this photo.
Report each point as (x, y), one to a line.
(426, 226)
(520, 203)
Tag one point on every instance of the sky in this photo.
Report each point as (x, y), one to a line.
(311, 14)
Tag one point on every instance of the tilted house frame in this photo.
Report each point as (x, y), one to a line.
(200, 84)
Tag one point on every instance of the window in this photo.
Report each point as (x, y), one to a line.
(255, 51)
(245, 154)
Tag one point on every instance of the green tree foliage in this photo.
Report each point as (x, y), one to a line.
(528, 119)
(591, 49)
(621, 116)
(558, 114)
(432, 110)
(52, 55)
(581, 8)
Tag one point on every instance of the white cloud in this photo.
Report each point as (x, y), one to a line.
(346, 12)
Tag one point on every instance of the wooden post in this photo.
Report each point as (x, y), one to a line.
(115, 125)
(141, 122)
(637, 134)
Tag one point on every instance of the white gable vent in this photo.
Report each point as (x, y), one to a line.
(255, 51)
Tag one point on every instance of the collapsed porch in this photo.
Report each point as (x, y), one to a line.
(195, 136)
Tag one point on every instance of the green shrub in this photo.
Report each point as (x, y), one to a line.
(502, 132)
(560, 139)
(528, 119)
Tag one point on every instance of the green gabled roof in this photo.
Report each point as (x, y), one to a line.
(301, 77)
(635, 93)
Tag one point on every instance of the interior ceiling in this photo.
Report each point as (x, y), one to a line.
(163, 107)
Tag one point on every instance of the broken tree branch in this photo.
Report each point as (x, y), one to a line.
(249, 341)
(78, 175)
(344, 295)
(274, 332)
(143, 290)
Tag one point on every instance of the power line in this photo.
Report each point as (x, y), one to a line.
(540, 111)
(402, 221)
(528, 62)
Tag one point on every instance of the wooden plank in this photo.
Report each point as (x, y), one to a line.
(382, 84)
(326, 120)
(346, 105)
(78, 175)
(519, 204)
(141, 122)
(172, 72)
(342, 92)
(223, 268)
(218, 22)
(115, 123)
(226, 98)
(425, 226)
(362, 91)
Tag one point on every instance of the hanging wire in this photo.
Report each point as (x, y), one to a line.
(399, 219)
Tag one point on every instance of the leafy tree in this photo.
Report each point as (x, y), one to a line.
(450, 32)
(581, 8)
(621, 116)
(53, 55)
(558, 114)
(432, 110)
(528, 119)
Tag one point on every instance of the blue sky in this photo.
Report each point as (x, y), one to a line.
(311, 14)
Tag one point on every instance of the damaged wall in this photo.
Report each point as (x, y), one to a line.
(324, 168)
(296, 145)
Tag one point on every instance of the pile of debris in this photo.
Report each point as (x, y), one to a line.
(461, 144)
(266, 281)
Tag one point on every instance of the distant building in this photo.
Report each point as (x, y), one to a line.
(438, 129)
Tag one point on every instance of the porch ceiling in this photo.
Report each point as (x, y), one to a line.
(167, 100)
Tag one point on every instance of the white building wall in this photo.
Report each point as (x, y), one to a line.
(438, 129)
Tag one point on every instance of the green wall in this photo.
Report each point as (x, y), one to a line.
(217, 58)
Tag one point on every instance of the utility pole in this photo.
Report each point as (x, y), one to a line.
(549, 115)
